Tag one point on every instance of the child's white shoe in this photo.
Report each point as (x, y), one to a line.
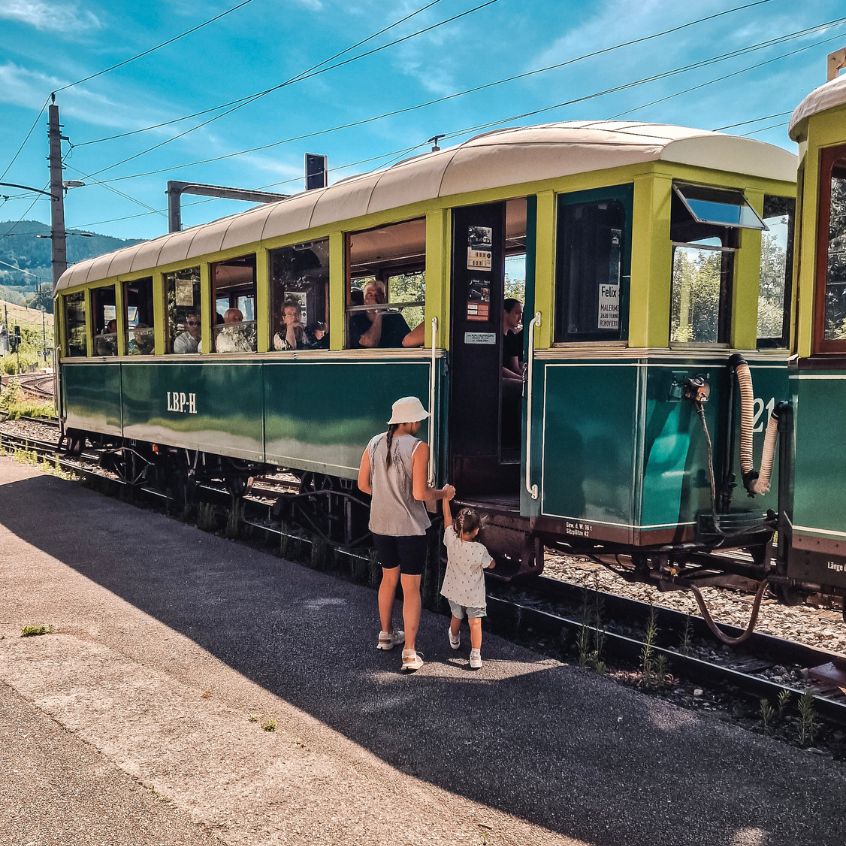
(475, 659)
(454, 640)
(411, 661)
(388, 640)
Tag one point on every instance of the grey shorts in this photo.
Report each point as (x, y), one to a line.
(458, 611)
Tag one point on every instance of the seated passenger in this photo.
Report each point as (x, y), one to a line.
(372, 329)
(141, 342)
(232, 338)
(291, 334)
(188, 341)
(106, 342)
(319, 334)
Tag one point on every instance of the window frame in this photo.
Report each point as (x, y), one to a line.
(212, 306)
(782, 342)
(829, 156)
(623, 194)
(168, 340)
(125, 283)
(397, 268)
(66, 339)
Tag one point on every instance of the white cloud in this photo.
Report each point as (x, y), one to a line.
(55, 17)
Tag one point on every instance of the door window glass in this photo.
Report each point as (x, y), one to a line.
(592, 268)
(776, 262)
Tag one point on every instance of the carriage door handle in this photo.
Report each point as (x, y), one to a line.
(432, 406)
(530, 488)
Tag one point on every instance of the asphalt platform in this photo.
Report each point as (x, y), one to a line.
(139, 720)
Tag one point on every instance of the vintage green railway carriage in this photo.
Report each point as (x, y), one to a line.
(814, 510)
(637, 249)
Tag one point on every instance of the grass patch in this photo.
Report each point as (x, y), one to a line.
(34, 631)
(270, 724)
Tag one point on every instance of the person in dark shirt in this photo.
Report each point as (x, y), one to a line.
(512, 340)
(377, 329)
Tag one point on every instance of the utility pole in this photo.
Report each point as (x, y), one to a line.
(57, 196)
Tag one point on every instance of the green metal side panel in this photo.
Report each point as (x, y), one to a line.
(674, 483)
(319, 416)
(588, 454)
(93, 397)
(819, 498)
(213, 407)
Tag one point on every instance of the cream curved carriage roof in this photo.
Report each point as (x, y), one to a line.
(496, 159)
(827, 96)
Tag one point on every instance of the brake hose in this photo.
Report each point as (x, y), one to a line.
(747, 420)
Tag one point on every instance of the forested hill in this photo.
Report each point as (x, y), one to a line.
(22, 249)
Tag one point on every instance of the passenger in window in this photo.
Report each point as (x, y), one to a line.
(189, 340)
(106, 342)
(292, 334)
(232, 337)
(319, 333)
(512, 340)
(372, 329)
(141, 342)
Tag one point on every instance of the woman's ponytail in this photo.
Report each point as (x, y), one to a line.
(392, 427)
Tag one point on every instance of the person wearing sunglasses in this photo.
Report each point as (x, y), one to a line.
(188, 341)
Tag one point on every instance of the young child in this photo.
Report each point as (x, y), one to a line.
(464, 583)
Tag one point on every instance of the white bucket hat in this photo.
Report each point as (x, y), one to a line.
(407, 410)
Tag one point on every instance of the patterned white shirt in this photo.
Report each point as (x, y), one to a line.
(464, 582)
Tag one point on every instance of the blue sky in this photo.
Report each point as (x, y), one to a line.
(46, 44)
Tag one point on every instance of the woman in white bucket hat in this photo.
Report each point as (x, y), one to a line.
(393, 471)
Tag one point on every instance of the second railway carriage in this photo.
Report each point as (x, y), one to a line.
(646, 255)
(812, 549)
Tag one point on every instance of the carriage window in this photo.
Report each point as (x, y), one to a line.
(182, 294)
(234, 317)
(105, 320)
(75, 324)
(703, 263)
(594, 253)
(776, 262)
(138, 302)
(831, 267)
(299, 277)
(386, 286)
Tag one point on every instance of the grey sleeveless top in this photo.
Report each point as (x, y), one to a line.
(394, 510)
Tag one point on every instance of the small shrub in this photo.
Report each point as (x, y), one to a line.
(808, 723)
(34, 631)
(269, 724)
(768, 714)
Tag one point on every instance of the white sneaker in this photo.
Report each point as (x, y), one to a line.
(475, 659)
(388, 640)
(411, 661)
(454, 640)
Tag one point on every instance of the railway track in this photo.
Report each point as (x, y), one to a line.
(552, 613)
(39, 384)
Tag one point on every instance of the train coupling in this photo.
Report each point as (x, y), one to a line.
(517, 552)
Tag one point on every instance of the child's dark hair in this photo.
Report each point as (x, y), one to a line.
(467, 520)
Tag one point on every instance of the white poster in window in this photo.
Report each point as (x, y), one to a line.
(609, 307)
(184, 292)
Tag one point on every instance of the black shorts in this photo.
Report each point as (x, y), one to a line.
(407, 552)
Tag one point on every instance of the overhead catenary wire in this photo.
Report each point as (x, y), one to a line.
(298, 78)
(747, 122)
(250, 96)
(580, 99)
(115, 67)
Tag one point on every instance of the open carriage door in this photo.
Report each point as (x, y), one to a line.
(485, 413)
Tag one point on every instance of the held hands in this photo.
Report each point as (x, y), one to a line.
(448, 492)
